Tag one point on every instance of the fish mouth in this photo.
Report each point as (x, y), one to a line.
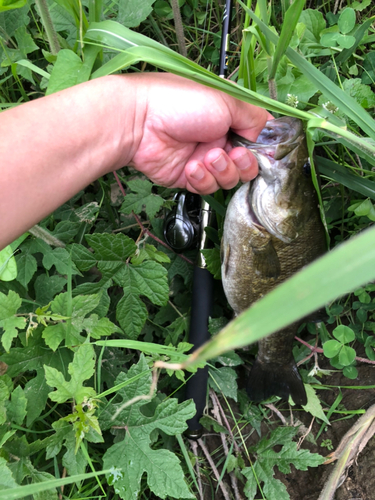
(277, 139)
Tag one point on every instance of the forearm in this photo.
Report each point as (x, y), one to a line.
(53, 147)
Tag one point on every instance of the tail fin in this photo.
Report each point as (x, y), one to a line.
(268, 380)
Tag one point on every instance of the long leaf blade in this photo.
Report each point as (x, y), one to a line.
(340, 174)
(289, 25)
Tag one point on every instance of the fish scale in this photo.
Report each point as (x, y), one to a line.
(257, 256)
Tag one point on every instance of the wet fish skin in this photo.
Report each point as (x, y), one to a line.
(272, 229)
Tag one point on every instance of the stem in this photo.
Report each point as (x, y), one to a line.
(48, 26)
(319, 350)
(214, 469)
(179, 28)
(272, 89)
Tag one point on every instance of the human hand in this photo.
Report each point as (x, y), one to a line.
(185, 134)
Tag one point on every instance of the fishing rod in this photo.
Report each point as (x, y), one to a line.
(184, 228)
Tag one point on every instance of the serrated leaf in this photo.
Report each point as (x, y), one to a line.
(54, 335)
(60, 258)
(67, 71)
(180, 267)
(213, 261)
(164, 473)
(16, 408)
(368, 76)
(4, 396)
(131, 313)
(314, 405)
(148, 279)
(9, 305)
(10, 21)
(224, 380)
(132, 12)
(81, 306)
(268, 458)
(34, 356)
(228, 359)
(83, 258)
(6, 478)
(149, 252)
(36, 392)
(66, 230)
(46, 287)
(80, 369)
(143, 199)
(97, 328)
(111, 247)
(361, 93)
(27, 267)
(75, 463)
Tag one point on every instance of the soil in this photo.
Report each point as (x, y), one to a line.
(307, 485)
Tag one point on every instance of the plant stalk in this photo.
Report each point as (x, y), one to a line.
(48, 26)
(179, 28)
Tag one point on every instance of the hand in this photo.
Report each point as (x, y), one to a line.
(184, 141)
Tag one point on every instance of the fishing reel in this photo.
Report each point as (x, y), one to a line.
(182, 225)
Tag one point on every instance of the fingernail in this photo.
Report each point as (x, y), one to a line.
(220, 163)
(242, 162)
(197, 173)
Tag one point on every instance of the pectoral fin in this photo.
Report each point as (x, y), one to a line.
(266, 262)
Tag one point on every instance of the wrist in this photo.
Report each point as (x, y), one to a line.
(124, 117)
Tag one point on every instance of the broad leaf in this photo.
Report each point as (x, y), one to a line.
(8, 264)
(9, 305)
(268, 458)
(142, 197)
(132, 12)
(164, 474)
(80, 369)
(314, 406)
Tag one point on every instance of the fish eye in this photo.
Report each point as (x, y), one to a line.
(307, 169)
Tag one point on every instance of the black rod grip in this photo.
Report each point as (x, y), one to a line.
(201, 310)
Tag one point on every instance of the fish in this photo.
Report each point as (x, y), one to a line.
(272, 229)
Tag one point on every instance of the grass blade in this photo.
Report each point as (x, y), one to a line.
(290, 22)
(341, 174)
(135, 47)
(32, 489)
